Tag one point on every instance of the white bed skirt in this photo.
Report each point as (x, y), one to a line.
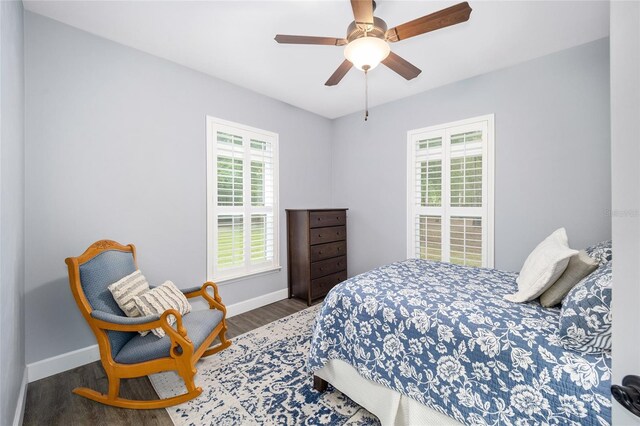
(391, 407)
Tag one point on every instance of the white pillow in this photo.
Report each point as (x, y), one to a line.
(125, 289)
(543, 267)
(158, 300)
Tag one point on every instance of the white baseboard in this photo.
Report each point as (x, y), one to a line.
(256, 302)
(63, 362)
(22, 400)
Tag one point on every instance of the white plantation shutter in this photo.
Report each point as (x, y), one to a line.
(429, 237)
(450, 185)
(262, 202)
(427, 166)
(465, 241)
(242, 189)
(230, 250)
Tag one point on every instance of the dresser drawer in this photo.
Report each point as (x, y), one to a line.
(328, 235)
(327, 251)
(321, 219)
(329, 266)
(321, 286)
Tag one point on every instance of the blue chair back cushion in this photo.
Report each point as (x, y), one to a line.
(95, 277)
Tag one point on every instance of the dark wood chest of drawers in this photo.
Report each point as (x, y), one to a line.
(316, 251)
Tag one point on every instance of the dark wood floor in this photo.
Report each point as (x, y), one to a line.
(50, 401)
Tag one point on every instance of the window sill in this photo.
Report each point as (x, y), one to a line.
(234, 278)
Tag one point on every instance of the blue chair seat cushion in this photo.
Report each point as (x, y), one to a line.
(199, 325)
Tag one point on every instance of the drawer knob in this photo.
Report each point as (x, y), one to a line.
(320, 252)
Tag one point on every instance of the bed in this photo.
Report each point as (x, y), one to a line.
(420, 342)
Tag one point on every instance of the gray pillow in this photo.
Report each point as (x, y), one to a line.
(580, 265)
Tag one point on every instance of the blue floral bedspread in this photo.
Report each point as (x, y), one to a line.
(443, 335)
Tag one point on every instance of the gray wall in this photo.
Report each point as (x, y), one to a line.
(116, 149)
(625, 152)
(12, 329)
(552, 149)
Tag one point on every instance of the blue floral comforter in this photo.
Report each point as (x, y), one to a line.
(443, 335)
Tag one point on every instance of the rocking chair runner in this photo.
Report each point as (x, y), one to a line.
(123, 351)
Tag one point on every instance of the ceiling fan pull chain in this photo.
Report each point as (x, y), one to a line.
(366, 92)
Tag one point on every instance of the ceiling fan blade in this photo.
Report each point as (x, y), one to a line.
(339, 73)
(441, 19)
(296, 39)
(401, 66)
(362, 11)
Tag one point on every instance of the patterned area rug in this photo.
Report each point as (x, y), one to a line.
(261, 380)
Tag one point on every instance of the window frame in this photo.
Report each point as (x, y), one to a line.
(488, 183)
(213, 125)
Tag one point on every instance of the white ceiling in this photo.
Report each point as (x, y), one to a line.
(233, 40)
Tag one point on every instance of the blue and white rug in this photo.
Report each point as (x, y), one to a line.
(261, 380)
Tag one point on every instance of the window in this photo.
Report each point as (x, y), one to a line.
(450, 192)
(242, 200)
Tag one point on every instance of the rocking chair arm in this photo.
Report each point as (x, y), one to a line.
(215, 302)
(185, 291)
(189, 290)
(178, 335)
(107, 321)
(120, 320)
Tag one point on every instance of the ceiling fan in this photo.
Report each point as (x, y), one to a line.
(367, 40)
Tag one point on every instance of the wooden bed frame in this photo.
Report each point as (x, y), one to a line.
(320, 384)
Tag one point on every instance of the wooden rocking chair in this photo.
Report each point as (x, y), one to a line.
(123, 351)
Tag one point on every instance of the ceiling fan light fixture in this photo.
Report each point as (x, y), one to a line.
(366, 51)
